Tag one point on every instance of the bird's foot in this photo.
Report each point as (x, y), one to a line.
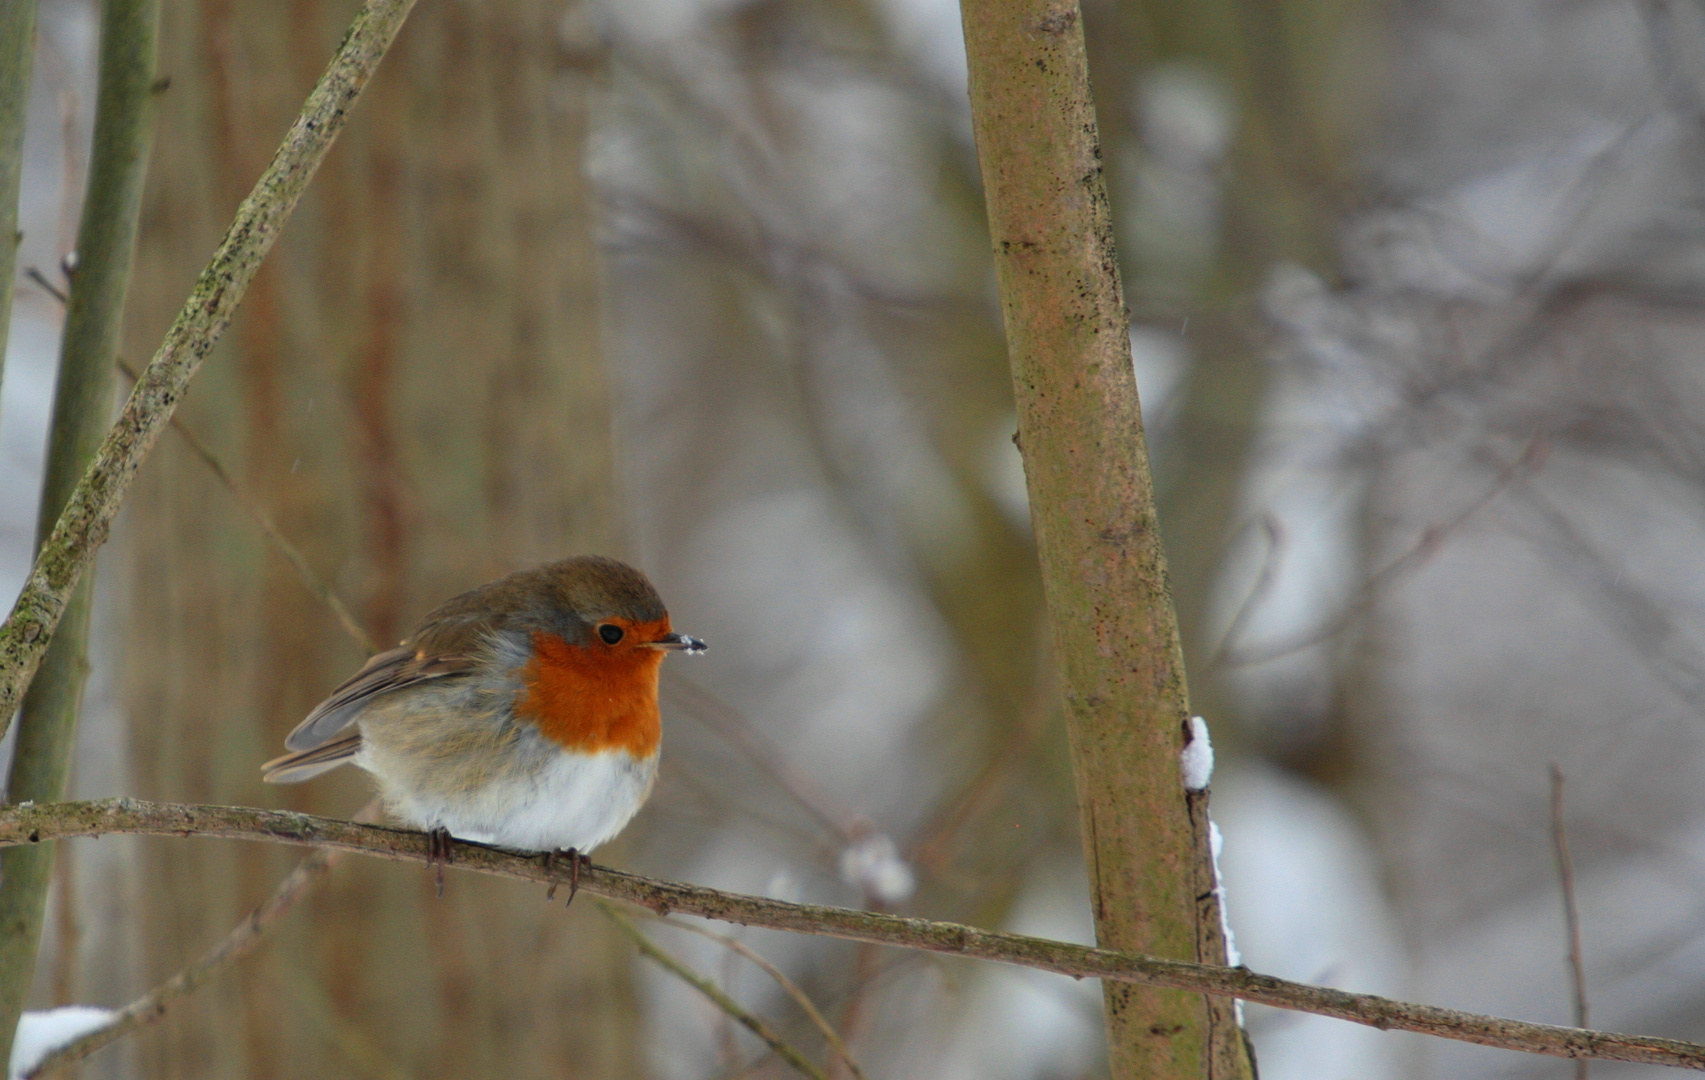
(576, 861)
(439, 848)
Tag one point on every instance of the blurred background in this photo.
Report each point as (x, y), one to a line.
(1419, 299)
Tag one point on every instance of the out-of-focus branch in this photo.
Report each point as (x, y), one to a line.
(1571, 911)
(789, 987)
(17, 49)
(37, 823)
(652, 951)
(89, 514)
(82, 409)
(1425, 547)
(311, 581)
(152, 1006)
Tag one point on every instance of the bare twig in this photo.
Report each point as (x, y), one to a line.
(324, 593)
(1430, 541)
(89, 514)
(47, 286)
(152, 1006)
(727, 721)
(709, 989)
(1571, 911)
(36, 823)
(789, 987)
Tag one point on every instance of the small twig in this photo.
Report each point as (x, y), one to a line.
(788, 986)
(321, 591)
(1274, 531)
(1431, 540)
(1571, 911)
(47, 286)
(709, 989)
(26, 824)
(728, 722)
(152, 1006)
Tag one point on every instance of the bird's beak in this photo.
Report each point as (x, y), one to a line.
(685, 643)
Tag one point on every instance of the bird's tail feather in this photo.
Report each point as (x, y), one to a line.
(307, 764)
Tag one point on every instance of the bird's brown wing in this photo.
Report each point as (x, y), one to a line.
(307, 764)
(391, 670)
(451, 641)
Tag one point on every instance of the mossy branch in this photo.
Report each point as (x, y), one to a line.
(54, 821)
(89, 514)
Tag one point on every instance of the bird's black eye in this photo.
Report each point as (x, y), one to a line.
(610, 632)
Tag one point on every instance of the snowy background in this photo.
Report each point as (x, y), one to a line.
(1418, 293)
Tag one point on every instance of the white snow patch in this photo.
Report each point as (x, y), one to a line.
(41, 1033)
(1197, 758)
(1233, 958)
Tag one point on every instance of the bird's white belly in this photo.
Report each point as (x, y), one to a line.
(567, 800)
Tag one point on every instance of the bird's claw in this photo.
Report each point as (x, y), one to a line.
(576, 861)
(439, 847)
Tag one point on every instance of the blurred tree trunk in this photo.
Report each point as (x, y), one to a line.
(415, 388)
(82, 409)
(17, 51)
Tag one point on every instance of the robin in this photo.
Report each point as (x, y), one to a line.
(522, 713)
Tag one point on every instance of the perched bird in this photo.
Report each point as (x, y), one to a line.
(522, 713)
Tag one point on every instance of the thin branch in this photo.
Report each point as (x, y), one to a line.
(709, 989)
(789, 987)
(151, 1007)
(17, 50)
(324, 593)
(1432, 538)
(47, 286)
(95, 502)
(727, 721)
(310, 580)
(1571, 911)
(36, 823)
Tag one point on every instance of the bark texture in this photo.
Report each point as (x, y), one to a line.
(1092, 504)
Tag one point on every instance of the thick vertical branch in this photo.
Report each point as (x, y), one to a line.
(89, 513)
(82, 406)
(1092, 505)
(17, 49)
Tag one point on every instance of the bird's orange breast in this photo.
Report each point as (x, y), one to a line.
(594, 698)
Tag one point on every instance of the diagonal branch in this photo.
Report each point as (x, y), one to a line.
(783, 1049)
(89, 514)
(790, 988)
(35, 823)
(152, 1006)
